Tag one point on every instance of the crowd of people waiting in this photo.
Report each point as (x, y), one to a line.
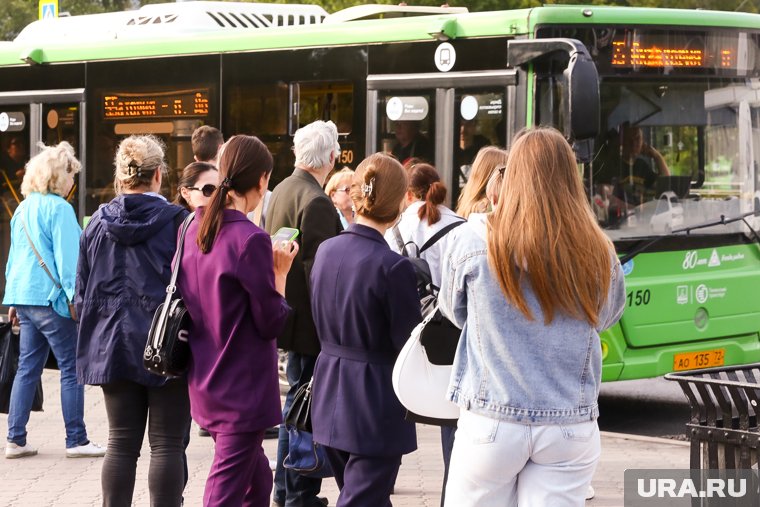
(531, 282)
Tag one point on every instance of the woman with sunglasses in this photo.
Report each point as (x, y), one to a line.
(197, 184)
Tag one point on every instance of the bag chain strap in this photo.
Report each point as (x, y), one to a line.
(172, 287)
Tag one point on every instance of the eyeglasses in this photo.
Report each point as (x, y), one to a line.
(206, 190)
(343, 189)
(501, 169)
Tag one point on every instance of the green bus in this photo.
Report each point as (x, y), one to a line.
(662, 108)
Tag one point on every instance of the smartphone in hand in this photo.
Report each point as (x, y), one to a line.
(286, 234)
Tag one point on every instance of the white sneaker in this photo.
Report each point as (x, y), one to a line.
(13, 451)
(590, 493)
(88, 450)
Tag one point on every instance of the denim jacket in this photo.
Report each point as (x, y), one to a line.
(511, 368)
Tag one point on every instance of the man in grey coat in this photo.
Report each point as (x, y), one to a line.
(300, 202)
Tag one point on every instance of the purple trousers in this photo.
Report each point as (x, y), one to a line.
(240, 473)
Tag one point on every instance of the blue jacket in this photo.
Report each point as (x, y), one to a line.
(55, 232)
(511, 368)
(124, 267)
(365, 304)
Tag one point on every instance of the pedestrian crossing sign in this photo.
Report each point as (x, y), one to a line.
(48, 9)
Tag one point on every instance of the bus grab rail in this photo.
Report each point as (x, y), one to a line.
(721, 221)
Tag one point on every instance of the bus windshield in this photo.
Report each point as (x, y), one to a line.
(674, 154)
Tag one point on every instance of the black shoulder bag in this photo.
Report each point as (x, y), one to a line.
(167, 352)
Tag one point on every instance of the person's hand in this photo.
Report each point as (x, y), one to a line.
(284, 252)
(13, 316)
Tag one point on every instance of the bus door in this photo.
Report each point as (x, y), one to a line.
(440, 118)
(26, 119)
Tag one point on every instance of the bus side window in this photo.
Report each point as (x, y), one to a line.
(326, 101)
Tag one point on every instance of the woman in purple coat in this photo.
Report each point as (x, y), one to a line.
(365, 305)
(233, 285)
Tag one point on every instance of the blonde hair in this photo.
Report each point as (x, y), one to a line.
(378, 187)
(137, 159)
(336, 178)
(46, 171)
(543, 232)
(473, 198)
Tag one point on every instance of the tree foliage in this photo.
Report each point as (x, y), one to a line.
(16, 14)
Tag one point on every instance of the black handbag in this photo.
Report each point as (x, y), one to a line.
(9, 353)
(167, 352)
(299, 414)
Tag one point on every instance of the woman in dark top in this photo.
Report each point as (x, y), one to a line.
(365, 305)
(125, 255)
(233, 285)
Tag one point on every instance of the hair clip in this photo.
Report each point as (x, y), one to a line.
(134, 169)
(367, 188)
(226, 183)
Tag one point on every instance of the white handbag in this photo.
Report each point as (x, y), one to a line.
(419, 384)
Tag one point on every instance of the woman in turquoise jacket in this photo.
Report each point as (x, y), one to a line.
(44, 224)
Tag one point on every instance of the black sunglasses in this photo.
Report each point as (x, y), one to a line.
(206, 190)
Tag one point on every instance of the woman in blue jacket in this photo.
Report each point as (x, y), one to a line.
(365, 305)
(40, 298)
(531, 288)
(124, 267)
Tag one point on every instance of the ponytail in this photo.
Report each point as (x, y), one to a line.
(244, 160)
(212, 217)
(425, 184)
(434, 197)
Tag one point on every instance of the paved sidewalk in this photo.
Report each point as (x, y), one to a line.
(50, 479)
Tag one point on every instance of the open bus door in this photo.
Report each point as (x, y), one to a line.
(26, 119)
(440, 118)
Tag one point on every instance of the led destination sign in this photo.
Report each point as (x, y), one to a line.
(174, 104)
(654, 51)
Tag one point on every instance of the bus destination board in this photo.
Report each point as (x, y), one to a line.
(656, 52)
(173, 104)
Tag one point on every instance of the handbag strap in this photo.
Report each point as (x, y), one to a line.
(178, 256)
(172, 287)
(399, 240)
(37, 254)
(438, 235)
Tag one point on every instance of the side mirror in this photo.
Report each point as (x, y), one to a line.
(579, 103)
(582, 116)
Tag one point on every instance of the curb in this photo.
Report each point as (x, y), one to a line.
(642, 438)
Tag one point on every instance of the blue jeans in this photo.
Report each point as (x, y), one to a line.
(291, 488)
(41, 330)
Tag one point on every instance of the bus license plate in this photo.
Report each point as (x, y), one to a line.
(701, 359)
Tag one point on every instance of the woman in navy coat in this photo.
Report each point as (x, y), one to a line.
(365, 305)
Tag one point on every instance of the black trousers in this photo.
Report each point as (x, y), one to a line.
(166, 410)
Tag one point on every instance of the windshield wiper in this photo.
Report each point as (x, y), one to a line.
(722, 221)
